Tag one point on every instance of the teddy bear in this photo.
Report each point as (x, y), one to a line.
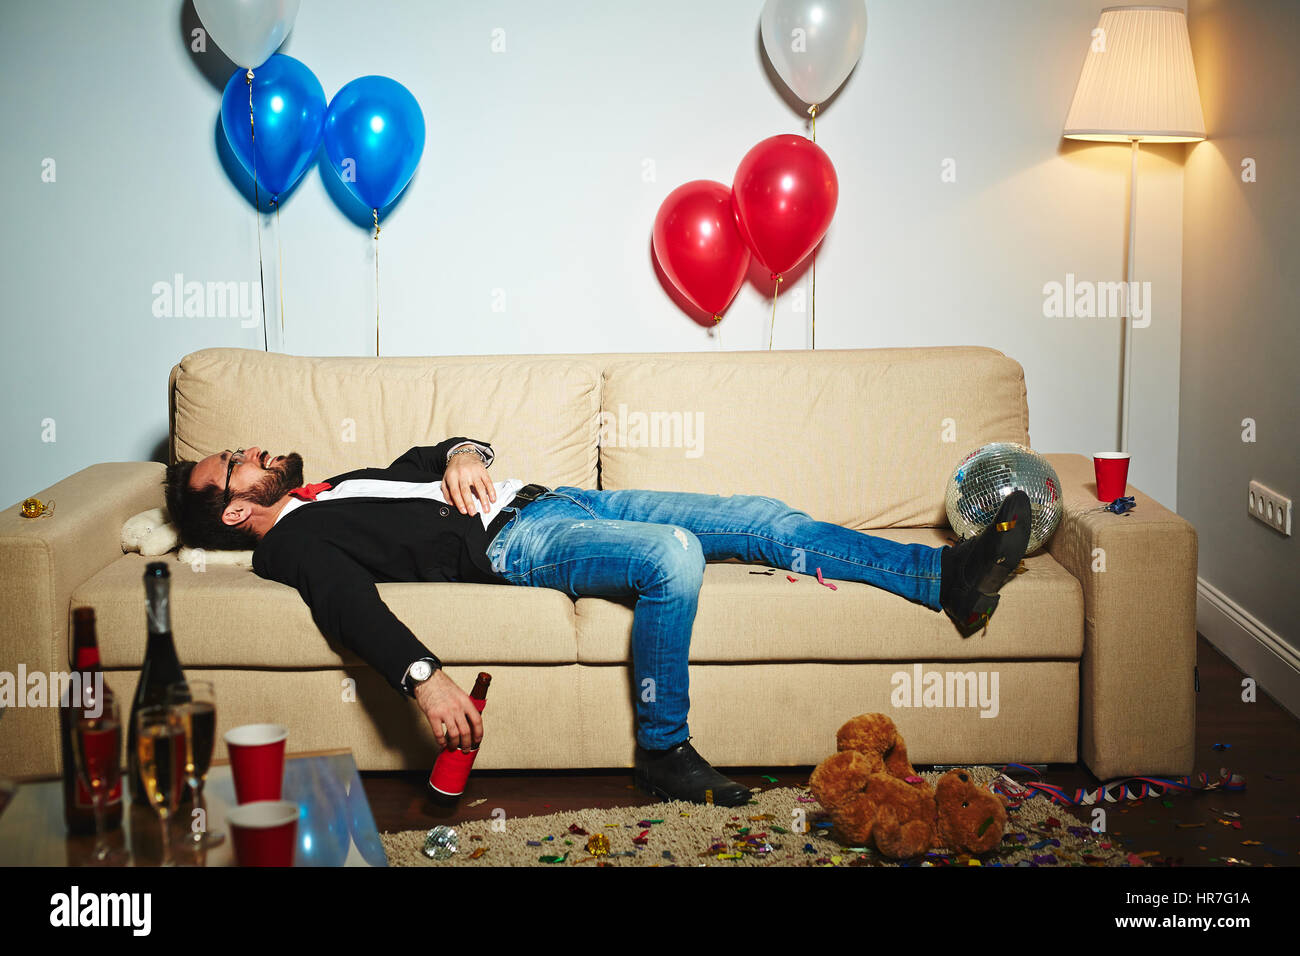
(152, 534)
(873, 795)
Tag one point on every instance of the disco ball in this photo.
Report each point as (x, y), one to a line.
(990, 473)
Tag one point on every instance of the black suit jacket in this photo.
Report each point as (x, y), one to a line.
(335, 554)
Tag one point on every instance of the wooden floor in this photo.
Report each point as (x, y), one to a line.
(1262, 742)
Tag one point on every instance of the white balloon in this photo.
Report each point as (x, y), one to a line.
(814, 44)
(248, 31)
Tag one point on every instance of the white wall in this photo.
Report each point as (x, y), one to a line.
(532, 183)
(1242, 343)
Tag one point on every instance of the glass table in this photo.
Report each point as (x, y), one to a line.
(335, 825)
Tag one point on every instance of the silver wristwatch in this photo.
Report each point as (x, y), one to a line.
(419, 672)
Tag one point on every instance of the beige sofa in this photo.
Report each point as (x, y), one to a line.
(1092, 665)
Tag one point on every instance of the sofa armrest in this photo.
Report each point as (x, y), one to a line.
(1137, 703)
(42, 560)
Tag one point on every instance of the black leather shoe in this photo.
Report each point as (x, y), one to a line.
(979, 567)
(680, 773)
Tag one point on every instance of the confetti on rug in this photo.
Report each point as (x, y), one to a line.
(764, 833)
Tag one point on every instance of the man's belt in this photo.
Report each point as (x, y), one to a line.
(524, 497)
(527, 495)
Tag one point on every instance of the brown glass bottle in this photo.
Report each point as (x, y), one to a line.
(479, 691)
(78, 811)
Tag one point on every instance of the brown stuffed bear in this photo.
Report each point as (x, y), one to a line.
(872, 794)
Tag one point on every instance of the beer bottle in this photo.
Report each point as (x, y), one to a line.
(86, 679)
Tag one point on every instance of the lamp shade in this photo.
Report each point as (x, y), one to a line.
(1138, 81)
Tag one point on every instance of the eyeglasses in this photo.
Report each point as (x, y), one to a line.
(236, 457)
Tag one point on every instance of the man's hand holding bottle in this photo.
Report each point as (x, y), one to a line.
(455, 720)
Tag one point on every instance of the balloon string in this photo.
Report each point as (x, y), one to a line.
(257, 208)
(279, 249)
(775, 290)
(376, 214)
(717, 331)
(812, 111)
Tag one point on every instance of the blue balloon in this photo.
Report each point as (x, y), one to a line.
(374, 137)
(288, 119)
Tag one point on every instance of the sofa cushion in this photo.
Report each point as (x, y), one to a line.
(863, 439)
(754, 617)
(229, 617)
(742, 617)
(540, 413)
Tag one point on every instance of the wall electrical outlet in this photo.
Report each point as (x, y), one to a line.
(1268, 506)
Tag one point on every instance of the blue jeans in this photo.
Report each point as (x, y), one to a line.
(654, 544)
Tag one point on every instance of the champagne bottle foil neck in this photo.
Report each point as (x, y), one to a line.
(158, 605)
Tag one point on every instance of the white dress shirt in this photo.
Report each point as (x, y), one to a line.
(384, 488)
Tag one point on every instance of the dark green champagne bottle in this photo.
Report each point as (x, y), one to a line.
(161, 667)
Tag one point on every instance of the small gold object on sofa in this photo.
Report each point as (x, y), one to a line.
(34, 508)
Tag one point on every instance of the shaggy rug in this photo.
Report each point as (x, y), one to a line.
(782, 826)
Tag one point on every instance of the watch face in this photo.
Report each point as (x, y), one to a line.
(421, 670)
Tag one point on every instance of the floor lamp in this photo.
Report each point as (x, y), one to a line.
(1137, 85)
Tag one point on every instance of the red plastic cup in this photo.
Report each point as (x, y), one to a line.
(1111, 468)
(264, 833)
(257, 760)
(451, 770)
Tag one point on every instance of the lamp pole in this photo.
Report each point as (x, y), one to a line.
(1128, 292)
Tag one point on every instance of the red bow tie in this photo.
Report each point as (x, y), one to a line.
(309, 492)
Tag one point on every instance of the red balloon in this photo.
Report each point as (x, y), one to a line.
(698, 245)
(784, 194)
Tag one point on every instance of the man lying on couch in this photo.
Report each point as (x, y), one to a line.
(434, 515)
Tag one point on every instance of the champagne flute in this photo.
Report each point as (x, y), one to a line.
(160, 742)
(97, 750)
(196, 702)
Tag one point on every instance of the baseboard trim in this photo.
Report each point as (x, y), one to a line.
(1249, 644)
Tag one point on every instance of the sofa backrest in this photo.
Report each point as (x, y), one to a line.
(538, 412)
(865, 438)
(854, 437)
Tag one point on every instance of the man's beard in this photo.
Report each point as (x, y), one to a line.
(275, 484)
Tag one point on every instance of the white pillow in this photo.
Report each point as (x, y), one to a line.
(151, 534)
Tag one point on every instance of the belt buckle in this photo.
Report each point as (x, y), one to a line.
(531, 492)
